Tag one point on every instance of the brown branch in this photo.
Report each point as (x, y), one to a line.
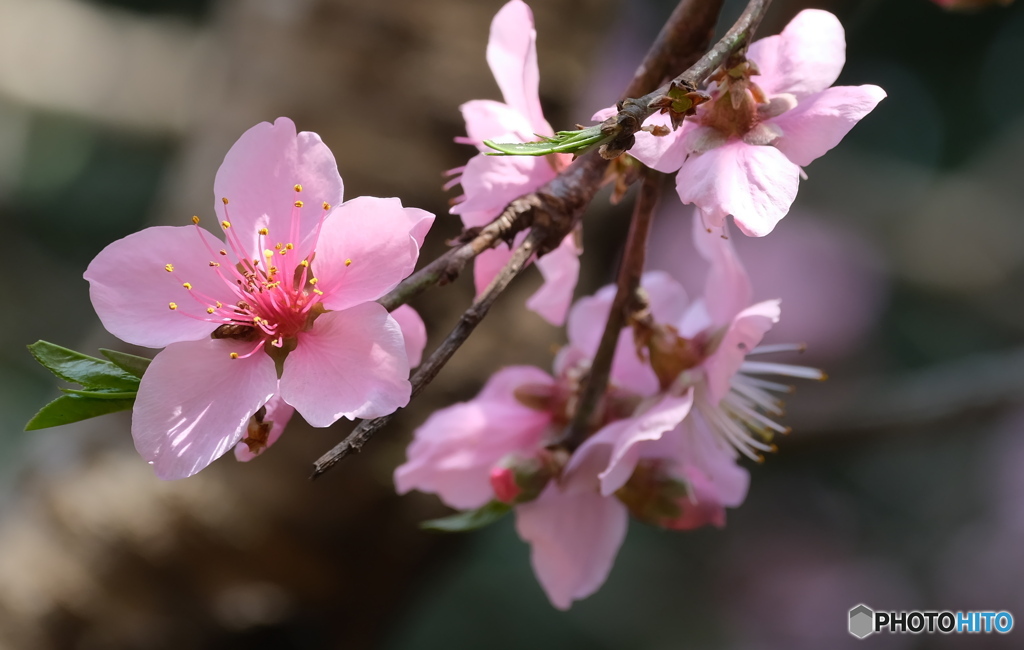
(619, 128)
(428, 370)
(593, 386)
(692, 25)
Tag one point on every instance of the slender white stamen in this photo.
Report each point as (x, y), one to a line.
(783, 369)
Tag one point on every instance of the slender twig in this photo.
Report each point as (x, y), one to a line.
(692, 23)
(428, 370)
(593, 386)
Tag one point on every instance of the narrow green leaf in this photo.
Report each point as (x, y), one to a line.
(101, 394)
(469, 519)
(127, 362)
(78, 368)
(73, 408)
(562, 142)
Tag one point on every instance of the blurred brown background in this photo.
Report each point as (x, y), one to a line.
(900, 265)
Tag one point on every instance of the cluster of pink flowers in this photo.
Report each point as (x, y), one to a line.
(685, 401)
(281, 315)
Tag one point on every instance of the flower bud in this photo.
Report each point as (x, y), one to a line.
(518, 479)
(656, 497)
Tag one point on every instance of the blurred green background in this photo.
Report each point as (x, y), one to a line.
(901, 265)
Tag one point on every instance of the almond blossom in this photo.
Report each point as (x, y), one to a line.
(490, 183)
(768, 117)
(281, 316)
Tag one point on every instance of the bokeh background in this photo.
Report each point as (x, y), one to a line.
(901, 265)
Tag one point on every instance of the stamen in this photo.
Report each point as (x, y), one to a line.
(348, 262)
(298, 204)
(264, 231)
(187, 285)
(169, 268)
(327, 206)
(780, 347)
(298, 188)
(172, 305)
(233, 355)
(786, 370)
(195, 220)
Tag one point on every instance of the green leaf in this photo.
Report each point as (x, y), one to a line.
(562, 142)
(101, 394)
(127, 362)
(73, 408)
(78, 368)
(469, 519)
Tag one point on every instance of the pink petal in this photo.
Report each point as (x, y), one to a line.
(491, 182)
(512, 55)
(131, 289)
(413, 331)
(487, 265)
(727, 288)
(805, 58)
(352, 364)
(561, 271)
(664, 153)
(820, 121)
(490, 120)
(366, 247)
(195, 401)
(455, 449)
(743, 335)
(755, 184)
(278, 415)
(667, 296)
(258, 177)
(706, 460)
(574, 538)
(628, 438)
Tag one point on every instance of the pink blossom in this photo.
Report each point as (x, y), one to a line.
(743, 153)
(494, 447)
(281, 315)
(490, 183)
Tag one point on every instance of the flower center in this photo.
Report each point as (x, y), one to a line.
(277, 293)
(739, 109)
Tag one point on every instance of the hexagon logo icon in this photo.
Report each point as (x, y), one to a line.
(862, 621)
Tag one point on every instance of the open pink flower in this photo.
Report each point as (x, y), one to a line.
(743, 152)
(490, 183)
(285, 307)
(496, 447)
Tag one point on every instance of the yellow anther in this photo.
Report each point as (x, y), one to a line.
(219, 304)
(318, 292)
(256, 320)
(169, 268)
(348, 262)
(298, 204)
(225, 224)
(187, 285)
(327, 206)
(172, 305)
(283, 251)
(304, 263)
(225, 200)
(210, 310)
(298, 188)
(222, 252)
(214, 263)
(195, 220)
(278, 246)
(233, 355)
(313, 280)
(273, 270)
(289, 246)
(264, 231)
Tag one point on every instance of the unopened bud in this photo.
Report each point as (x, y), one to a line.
(518, 479)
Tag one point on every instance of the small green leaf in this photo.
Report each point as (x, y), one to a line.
(469, 519)
(78, 368)
(73, 408)
(101, 394)
(127, 362)
(562, 142)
